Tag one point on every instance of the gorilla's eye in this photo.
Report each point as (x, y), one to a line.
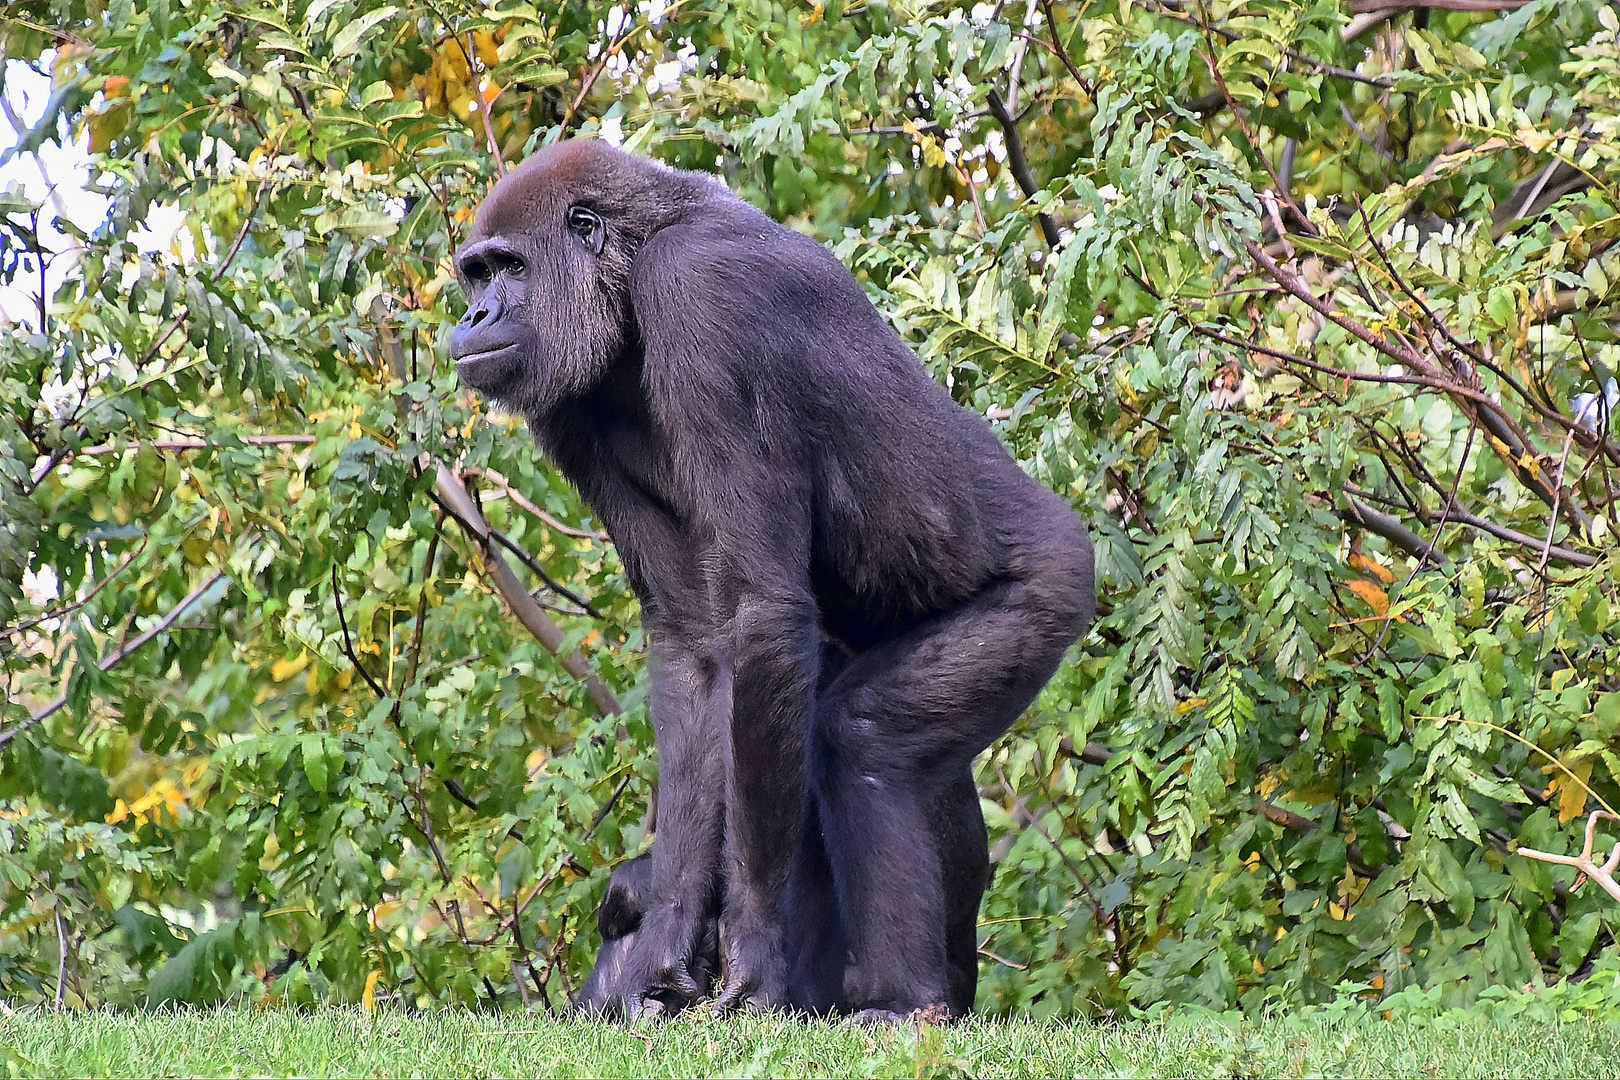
(584, 223)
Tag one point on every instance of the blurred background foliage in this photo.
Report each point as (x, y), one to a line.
(320, 685)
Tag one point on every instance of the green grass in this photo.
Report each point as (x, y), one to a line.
(344, 1042)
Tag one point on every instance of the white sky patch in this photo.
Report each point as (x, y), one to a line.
(57, 176)
(41, 586)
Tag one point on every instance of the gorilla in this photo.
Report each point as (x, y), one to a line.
(784, 484)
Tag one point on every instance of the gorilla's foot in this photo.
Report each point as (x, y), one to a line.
(755, 977)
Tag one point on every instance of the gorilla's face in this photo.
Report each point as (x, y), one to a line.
(546, 273)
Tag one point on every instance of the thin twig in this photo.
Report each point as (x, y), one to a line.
(348, 645)
(118, 655)
(62, 956)
(195, 444)
(1063, 54)
(485, 107)
(522, 500)
(79, 603)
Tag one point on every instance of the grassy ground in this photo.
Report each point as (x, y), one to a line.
(338, 1042)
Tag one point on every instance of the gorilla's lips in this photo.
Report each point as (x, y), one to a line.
(488, 370)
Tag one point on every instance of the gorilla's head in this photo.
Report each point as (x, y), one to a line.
(547, 268)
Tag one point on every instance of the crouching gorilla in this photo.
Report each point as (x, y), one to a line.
(849, 588)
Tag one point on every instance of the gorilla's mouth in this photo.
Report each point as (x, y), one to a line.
(483, 370)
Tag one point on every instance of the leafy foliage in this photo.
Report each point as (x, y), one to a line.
(1311, 314)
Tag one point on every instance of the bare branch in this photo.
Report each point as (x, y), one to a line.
(453, 497)
(1602, 873)
(195, 444)
(79, 603)
(522, 500)
(1389, 7)
(117, 656)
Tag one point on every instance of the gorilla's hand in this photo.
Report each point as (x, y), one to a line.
(663, 969)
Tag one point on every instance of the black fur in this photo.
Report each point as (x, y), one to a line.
(782, 480)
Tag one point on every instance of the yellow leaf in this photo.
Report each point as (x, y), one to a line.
(282, 670)
(383, 910)
(354, 431)
(1571, 792)
(1360, 562)
(1184, 707)
(120, 811)
(1369, 591)
(369, 998)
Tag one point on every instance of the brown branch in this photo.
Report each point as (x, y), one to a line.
(1002, 960)
(485, 107)
(1018, 165)
(1391, 529)
(1281, 189)
(1510, 442)
(567, 858)
(1173, 11)
(1298, 823)
(63, 613)
(196, 444)
(1602, 873)
(452, 496)
(611, 51)
(1368, 7)
(522, 500)
(1063, 54)
(118, 655)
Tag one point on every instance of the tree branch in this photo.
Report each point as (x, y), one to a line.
(453, 497)
(118, 655)
(1390, 528)
(1018, 164)
(1602, 873)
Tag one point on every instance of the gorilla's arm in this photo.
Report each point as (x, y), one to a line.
(690, 711)
(745, 474)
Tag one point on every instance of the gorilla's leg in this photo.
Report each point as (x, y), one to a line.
(964, 854)
(816, 946)
(903, 722)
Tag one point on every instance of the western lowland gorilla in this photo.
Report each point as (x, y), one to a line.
(784, 484)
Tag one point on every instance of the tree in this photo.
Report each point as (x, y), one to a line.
(1311, 311)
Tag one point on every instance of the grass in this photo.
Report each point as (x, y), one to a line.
(346, 1042)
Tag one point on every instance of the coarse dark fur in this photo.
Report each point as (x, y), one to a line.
(782, 480)
(815, 943)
